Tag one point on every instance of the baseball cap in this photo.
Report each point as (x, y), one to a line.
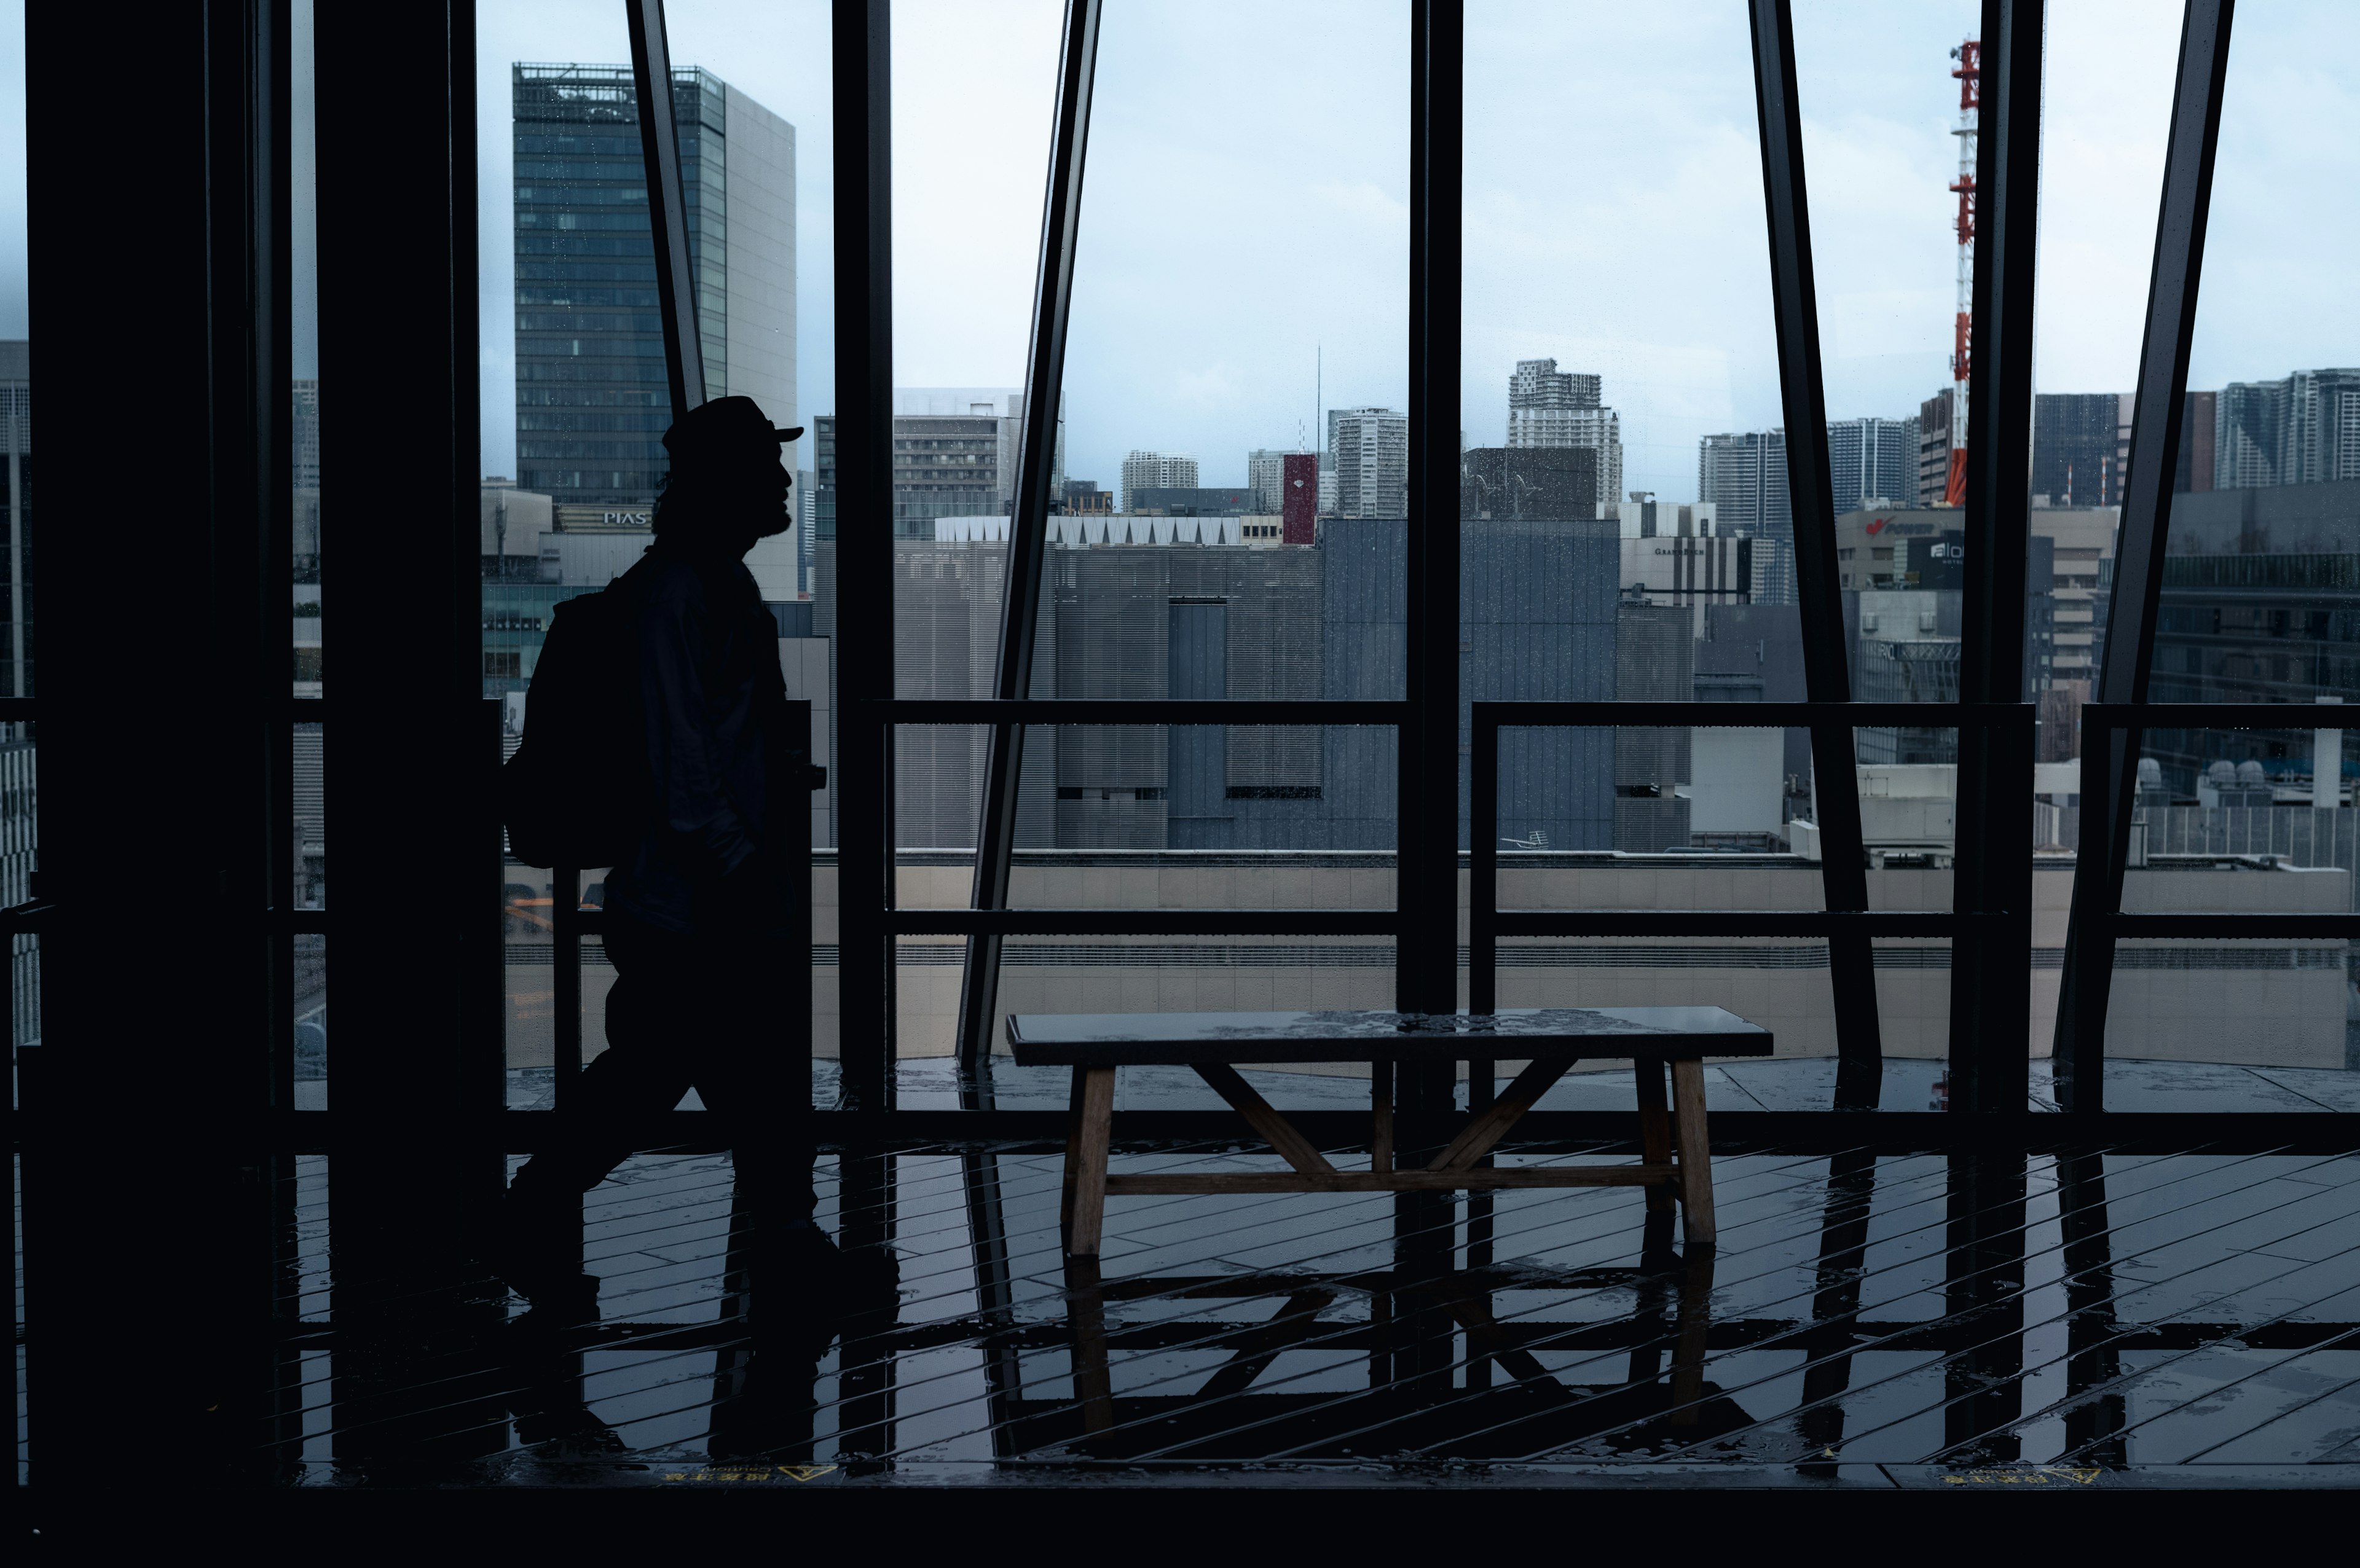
(722, 424)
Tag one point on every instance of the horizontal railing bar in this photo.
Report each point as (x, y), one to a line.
(1750, 715)
(1734, 1132)
(1734, 923)
(2111, 716)
(2224, 925)
(1143, 922)
(1096, 710)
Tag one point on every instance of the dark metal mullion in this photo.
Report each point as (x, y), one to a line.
(1826, 671)
(1484, 863)
(1991, 970)
(862, 63)
(2138, 547)
(1427, 804)
(273, 243)
(667, 203)
(1053, 298)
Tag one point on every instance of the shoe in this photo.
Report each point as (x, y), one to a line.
(808, 1268)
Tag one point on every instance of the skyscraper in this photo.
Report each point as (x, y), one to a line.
(1552, 408)
(592, 404)
(1157, 470)
(1372, 447)
(1872, 462)
(16, 526)
(2079, 448)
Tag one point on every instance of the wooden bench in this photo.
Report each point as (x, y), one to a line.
(1553, 1038)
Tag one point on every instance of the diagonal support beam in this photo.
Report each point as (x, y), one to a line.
(1859, 1052)
(1487, 1129)
(667, 204)
(2139, 549)
(1276, 1130)
(1020, 619)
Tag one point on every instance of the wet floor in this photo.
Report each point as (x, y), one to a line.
(1880, 1321)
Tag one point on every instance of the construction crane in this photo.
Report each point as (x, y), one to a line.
(1970, 78)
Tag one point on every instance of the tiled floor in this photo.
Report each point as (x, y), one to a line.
(1878, 1321)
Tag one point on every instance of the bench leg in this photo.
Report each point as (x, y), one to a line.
(1086, 1165)
(1696, 1153)
(1654, 1126)
(1073, 1159)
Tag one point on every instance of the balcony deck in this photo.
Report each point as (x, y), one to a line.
(2092, 1318)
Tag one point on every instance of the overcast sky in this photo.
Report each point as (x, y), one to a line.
(1245, 217)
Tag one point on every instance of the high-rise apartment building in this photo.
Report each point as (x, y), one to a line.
(592, 404)
(1156, 471)
(1372, 447)
(2302, 430)
(2080, 448)
(1743, 476)
(1872, 462)
(1266, 471)
(1552, 408)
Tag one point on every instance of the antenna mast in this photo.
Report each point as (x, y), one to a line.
(1970, 78)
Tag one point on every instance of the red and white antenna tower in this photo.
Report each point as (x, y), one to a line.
(1970, 77)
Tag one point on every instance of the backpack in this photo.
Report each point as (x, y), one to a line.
(576, 793)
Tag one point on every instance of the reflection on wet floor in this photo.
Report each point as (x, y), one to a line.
(1870, 1320)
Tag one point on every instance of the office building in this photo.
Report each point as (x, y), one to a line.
(1371, 448)
(1154, 500)
(1934, 449)
(2080, 448)
(592, 399)
(2261, 604)
(1655, 661)
(1550, 408)
(1299, 498)
(1556, 483)
(1156, 470)
(1872, 462)
(2198, 414)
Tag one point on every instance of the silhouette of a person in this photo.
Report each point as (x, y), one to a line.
(695, 920)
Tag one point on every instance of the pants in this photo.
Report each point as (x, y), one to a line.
(689, 1012)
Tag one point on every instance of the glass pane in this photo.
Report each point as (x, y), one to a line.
(304, 347)
(574, 392)
(1625, 519)
(1178, 566)
(2261, 590)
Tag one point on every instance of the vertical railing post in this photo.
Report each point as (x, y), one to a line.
(1860, 1053)
(1426, 855)
(1991, 956)
(862, 45)
(2139, 544)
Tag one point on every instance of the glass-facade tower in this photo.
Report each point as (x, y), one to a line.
(592, 405)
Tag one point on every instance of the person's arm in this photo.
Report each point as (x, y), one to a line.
(682, 749)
